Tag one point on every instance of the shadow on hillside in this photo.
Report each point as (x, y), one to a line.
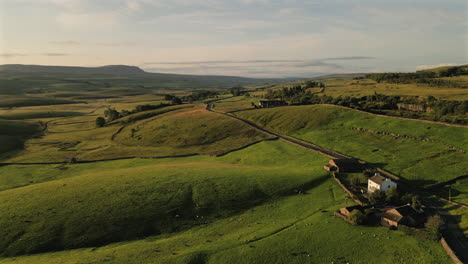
(311, 184)
(421, 183)
(376, 165)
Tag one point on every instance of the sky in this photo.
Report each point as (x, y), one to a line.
(253, 38)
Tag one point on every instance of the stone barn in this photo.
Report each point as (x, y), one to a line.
(404, 215)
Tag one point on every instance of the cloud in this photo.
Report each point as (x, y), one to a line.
(256, 68)
(55, 54)
(66, 43)
(12, 55)
(95, 20)
(49, 54)
(88, 43)
(351, 58)
(218, 62)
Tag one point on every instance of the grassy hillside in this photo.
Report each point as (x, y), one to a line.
(21, 101)
(246, 198)
(37, 115)
(173, 130)
(199, 130)
(421, 162)
(13, 134)
(114, 204)
(357, 88)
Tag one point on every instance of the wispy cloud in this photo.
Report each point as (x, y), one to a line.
(90, 43)
(51, 54)
(256, 68)
(55, 54)
(12, 55)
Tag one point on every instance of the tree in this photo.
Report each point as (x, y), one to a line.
(357, 217)
(168, 97)
(176, 100)
(407, 198)
(416, 202)
(310, 84)
(392, 196)
(100, 121)
(434, 223)
(111, 114)
(377, 197)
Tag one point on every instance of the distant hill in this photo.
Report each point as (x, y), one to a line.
(107, 70)
(441, 70)
(339, 76)
(15, 78)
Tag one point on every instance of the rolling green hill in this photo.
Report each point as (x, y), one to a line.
(246, 204)
(16, 79)
(424, 153)
(200, 130)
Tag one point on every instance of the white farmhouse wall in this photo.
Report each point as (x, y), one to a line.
(386, 185)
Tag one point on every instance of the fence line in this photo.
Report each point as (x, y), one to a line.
(449, 251)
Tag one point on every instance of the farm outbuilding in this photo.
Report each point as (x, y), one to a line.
(346, 211)
(344, 165)
(404, 215)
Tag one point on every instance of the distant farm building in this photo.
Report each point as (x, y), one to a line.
(344, 165)
(271, 103)
(404, 215)
(379, 182)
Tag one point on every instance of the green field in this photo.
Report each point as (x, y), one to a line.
(420, 162)
(180, 184)
(246, 199)
(172, 130)
(357, 88)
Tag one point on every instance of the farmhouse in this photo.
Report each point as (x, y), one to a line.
(379, 182)
(343, 165)
(404, 215)
(271, 103)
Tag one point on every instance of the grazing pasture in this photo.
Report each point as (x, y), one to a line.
(427, 155)
(357, 88)
(247, 206)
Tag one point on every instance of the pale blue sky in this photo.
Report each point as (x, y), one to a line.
(259, 38)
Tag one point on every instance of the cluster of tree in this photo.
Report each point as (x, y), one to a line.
(174, 99)
(238, 91)
(292, 94)
(312, 84)
(112, 114)
(356, 217)
(393, 197)
(433, 108)
(198, 96)
(420, 76)
(431, 230)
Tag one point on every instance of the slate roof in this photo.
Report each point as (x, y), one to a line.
(379, 179)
